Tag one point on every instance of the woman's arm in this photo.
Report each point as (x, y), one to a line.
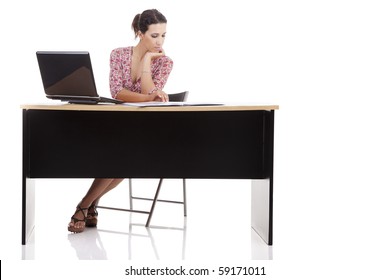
(151, 82)
(130, 96)
(147, 83)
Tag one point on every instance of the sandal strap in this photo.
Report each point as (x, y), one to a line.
(75, 220)
(93, 213)
(78, 209)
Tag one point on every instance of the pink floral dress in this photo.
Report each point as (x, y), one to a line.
(120, 71)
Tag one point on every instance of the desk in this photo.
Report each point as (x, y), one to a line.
(119, 141)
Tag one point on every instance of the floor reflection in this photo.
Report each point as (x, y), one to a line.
(134, 241)
(260, 250)
(28, 250)
(89, 245)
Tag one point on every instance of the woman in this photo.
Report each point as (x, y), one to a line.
(137, 74)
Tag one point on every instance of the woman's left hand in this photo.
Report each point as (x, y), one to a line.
(159, 95)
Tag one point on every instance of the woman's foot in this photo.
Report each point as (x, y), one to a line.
(78, 220)
(91, 220)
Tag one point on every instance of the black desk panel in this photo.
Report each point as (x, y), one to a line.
(89, 144)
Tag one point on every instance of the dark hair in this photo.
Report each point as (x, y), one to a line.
(142, 21)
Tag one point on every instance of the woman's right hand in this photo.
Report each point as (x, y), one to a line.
(149, 57)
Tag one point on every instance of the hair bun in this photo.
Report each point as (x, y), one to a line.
(149, 17)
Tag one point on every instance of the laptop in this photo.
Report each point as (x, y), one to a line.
(68, 76)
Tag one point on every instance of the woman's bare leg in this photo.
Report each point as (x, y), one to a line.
(113, 184)
(98, 188)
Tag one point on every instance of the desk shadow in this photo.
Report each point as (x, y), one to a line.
(88, 245)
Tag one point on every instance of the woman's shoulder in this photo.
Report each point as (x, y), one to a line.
(121, 50)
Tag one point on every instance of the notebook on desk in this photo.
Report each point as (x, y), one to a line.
(68, 76)
(171, 103)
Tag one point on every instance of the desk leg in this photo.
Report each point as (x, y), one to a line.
(28, 209)
(262, 203)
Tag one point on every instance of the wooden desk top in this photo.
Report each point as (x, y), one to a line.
(124, 107)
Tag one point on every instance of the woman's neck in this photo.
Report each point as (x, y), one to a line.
(139, 51)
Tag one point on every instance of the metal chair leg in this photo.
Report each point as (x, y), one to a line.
(184, 198)
(130, 194)
(154, 203)
(155, 199)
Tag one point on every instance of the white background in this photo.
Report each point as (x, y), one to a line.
(326, 63)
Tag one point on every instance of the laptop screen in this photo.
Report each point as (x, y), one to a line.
(67, 75)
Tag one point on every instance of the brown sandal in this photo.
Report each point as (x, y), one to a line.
(74, 220)
(92, 214)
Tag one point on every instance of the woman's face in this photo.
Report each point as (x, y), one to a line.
(154, 37)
